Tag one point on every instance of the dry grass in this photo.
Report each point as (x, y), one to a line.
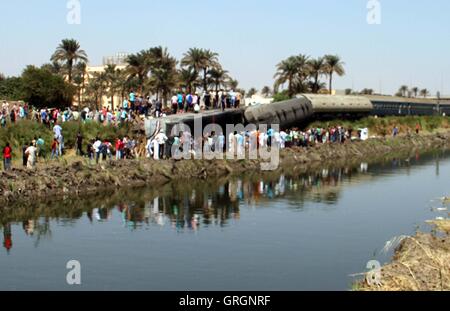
(421, 263)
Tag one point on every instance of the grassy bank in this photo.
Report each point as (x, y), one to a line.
(384, 126)
(24, 132)
(420, 263)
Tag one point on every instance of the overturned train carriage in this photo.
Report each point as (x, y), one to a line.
(325, 106)
(307, 107)
(286, 113)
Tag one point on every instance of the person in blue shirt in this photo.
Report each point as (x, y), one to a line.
(132, 100)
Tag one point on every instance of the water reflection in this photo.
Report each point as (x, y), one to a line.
(198, 205)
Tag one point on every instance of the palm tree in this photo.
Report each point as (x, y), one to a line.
(424, 93)
(233, 84)
(69, 52)
(96, 87)
(317, 67)
(252, 91)
(113, 77)
(333, 65)
(218, 78)
(266, 91)
(188, 79)
(164, 74)
(293, 71)
(403, 90)
(201, 60)
(138, 67)
(415, 91)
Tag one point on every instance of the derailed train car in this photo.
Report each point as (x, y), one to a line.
(287, 113)
(400, 106)
(307, 107)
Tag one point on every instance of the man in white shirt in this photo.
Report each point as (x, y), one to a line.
(97, 146)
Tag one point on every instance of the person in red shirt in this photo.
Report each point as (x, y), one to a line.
(118, 149)
(7, 155)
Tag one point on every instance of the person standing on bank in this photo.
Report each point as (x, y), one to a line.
(7, 155)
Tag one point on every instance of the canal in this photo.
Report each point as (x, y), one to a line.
(279, 232)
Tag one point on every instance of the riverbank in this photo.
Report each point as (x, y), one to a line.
(420, 263)
(77, 177)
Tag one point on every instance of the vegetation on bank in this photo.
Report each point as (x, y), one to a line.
(24, 132)
(384, 126)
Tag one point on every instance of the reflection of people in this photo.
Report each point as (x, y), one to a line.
(7, 237)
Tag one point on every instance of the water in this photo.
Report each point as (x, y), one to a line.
(310, 232)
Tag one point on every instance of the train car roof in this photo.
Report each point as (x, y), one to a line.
(406, 100)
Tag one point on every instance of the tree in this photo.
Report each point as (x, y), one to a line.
(164, 75)
(139, 67)
(80, 80)
(69, 52)
(96, 88)
(367, 92)
(113, 79)
(294, 71)
(251, 92)
(403, 90)
(233, 84)
(425, 93)
(41, 88)
(415, 91)
(317, 67)
(200, 60)
(11, 88)
(333, 65)
(348, 91)
(188, 79)
(266, 91)
(218, 78)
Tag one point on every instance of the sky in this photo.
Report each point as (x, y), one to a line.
(410, 46)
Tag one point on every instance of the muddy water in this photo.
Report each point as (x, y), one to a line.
(308, 232)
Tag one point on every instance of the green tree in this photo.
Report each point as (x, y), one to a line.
(69, 52)
(201, 60)
(96, 88)
(11, 88)
(252, 91)
(294, 71)
(404, 90)
(188, 79)
(415, 91)
(41, 88)
(139, 67)
(333, 65)
(164, 75)
(317, 67)
(219, 78)
(266, 91)
(424, 93)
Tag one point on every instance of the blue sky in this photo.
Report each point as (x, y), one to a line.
(410, 46)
